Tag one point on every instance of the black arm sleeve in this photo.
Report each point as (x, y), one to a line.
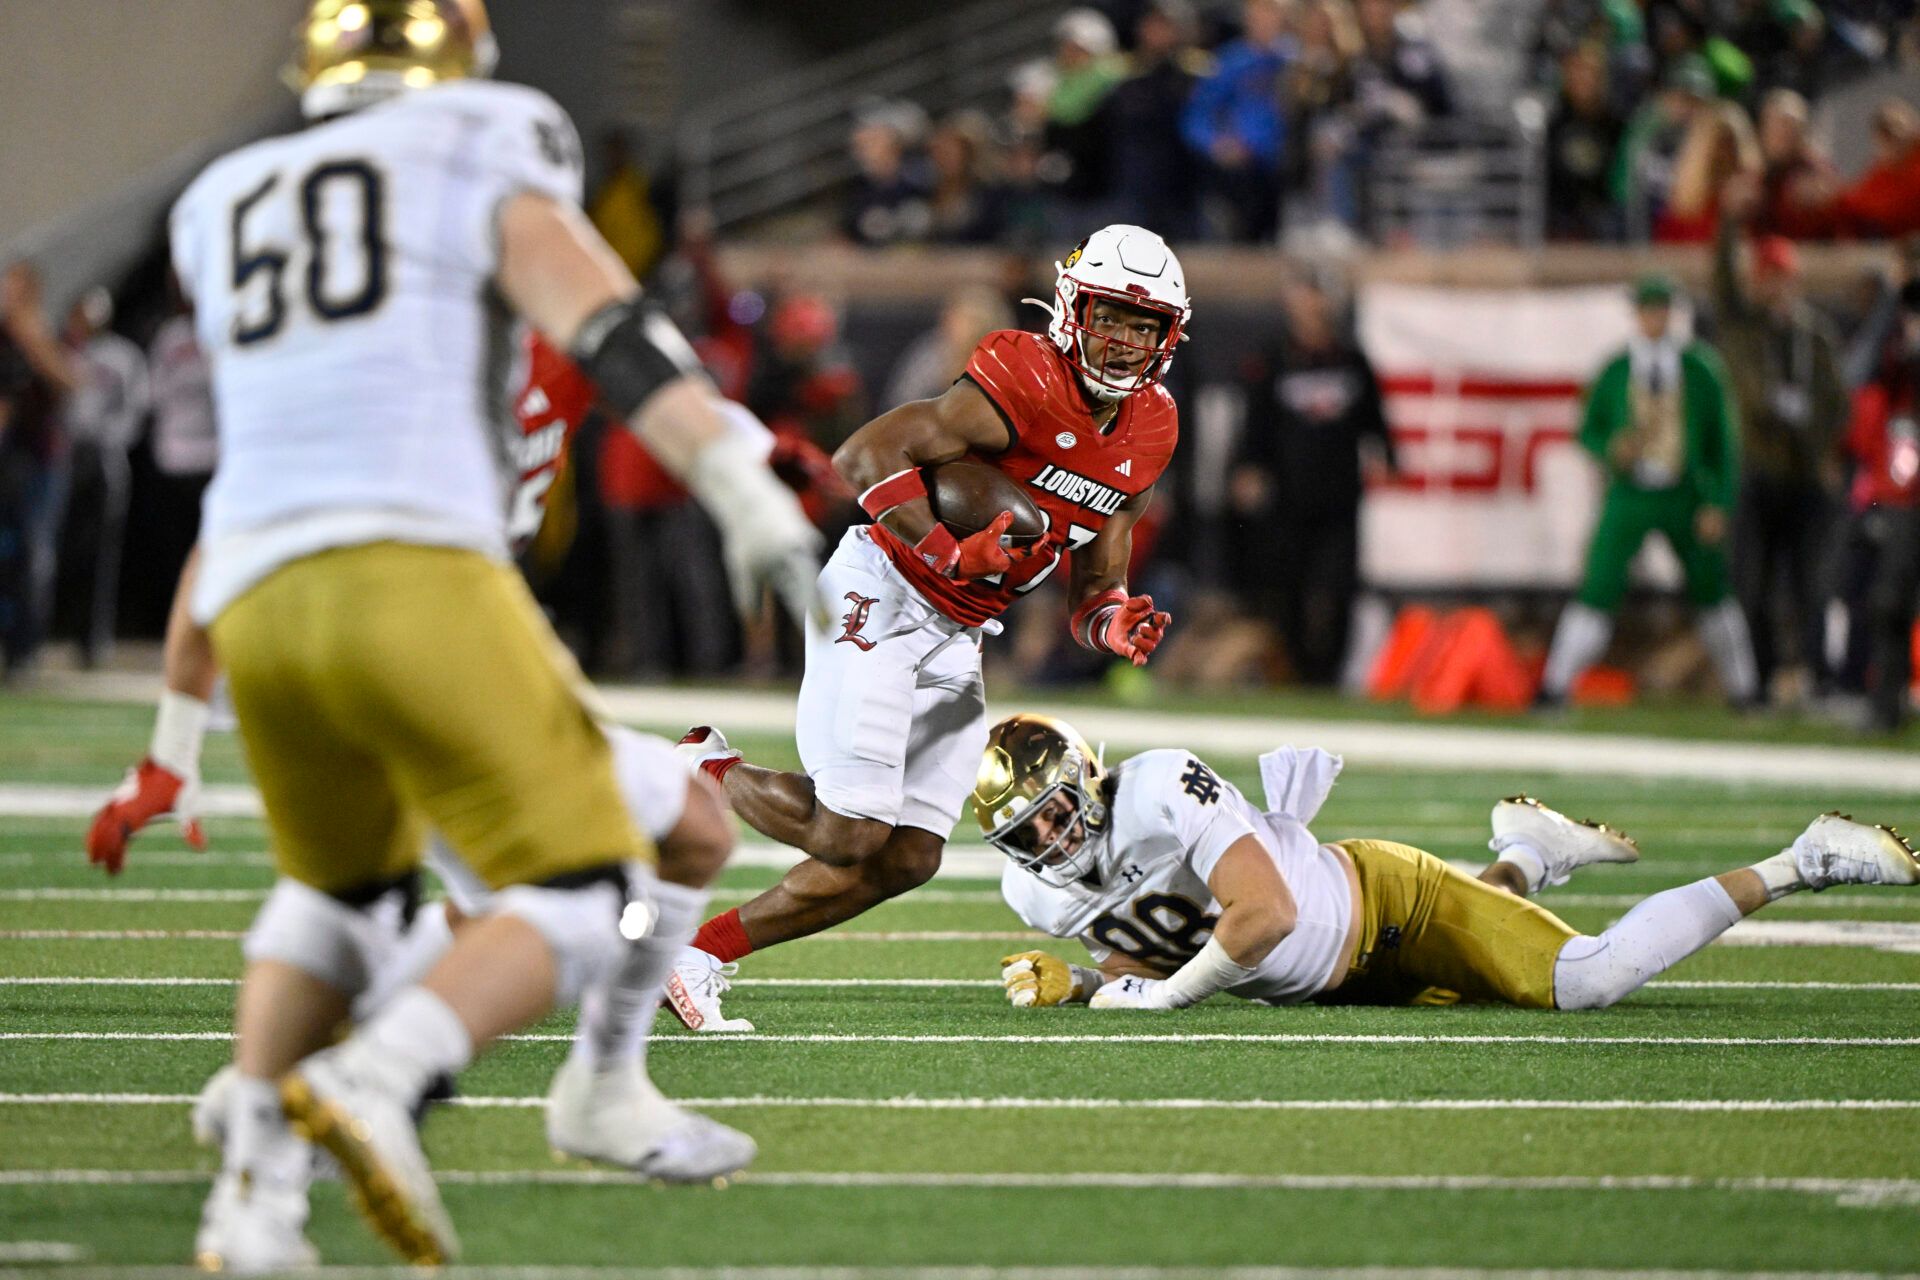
(631, 349)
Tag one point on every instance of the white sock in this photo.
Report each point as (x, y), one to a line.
(616, 1015)
(426, 941)
(1663, 930)
(416, 1037)
(1723, 630)
(1578, 641)
(1524, 858)
(179, 727)
(1780, 874)
(260, 1143)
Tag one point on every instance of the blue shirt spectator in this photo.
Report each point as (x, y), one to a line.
(1234, 117)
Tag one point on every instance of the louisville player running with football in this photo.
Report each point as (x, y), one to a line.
(892, 711)
(1181, 888)
(356, 287)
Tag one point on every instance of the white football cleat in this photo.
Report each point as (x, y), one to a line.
(247, 1229)
(1563, 845)
(694, 989)
(339, 1100)
(702, 743)
(619, 1117)
(1834, 849)
(209, 1115)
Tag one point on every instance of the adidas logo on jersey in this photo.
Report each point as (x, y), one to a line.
(1125, 468)
(1070, 486)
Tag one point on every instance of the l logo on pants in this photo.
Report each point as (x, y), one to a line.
(855, 619)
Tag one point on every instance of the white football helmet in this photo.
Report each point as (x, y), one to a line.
(1129, 265)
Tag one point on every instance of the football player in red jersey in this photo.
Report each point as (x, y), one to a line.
(892, 712)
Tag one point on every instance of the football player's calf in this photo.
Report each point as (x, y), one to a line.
(307, 955)
(166, 784)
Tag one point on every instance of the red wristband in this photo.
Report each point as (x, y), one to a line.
(1086, 622)
(901, 486)
(939, 548)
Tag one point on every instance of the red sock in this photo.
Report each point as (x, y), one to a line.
(717, 769)
(724, 937)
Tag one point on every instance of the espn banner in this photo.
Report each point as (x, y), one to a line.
(1483, 391)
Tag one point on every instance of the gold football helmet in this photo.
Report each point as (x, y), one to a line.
(1030, 760)
(349, 53)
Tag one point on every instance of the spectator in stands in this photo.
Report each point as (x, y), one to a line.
(103, 419)
(1793, 409)
(1583, 141)
(1155, 176)
(1235, 123)
(1644, 174)
(1795, 172)
(1617, 27)
(36, 374)
(939, 356)
(1400, 79)
(1719, 143)
(1884, 201)
(1323, 166)
(1660, 421)
(671, 614)
(622, 207)
(802, 380)
(888, 203)
(1314, 427)
(1783, 39)
(1884, 441)
(1079, 132)
(963, 207)
(184, 442)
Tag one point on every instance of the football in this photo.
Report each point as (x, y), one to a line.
(966, 495)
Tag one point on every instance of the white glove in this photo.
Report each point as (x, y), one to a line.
(769, 540)
(1131, 993)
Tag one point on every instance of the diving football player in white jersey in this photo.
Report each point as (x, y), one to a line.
(1181, 888)
(356, 287)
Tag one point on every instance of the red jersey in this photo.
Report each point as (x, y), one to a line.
(1076, 474)
(551, 408)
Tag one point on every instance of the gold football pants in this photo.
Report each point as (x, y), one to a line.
(387, 688)
(1431, 934)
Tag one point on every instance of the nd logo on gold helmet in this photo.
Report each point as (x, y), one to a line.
(350, 53)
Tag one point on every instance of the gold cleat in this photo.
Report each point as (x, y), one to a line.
(377, 1191)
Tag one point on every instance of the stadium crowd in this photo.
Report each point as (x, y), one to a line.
(1239, 122)
(1234, 122)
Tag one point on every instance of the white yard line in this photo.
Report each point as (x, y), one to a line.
(1680, 985)
(1201, 1037)
(1455, 747)
(628, 1272)
(912, 1103)
(1877, 1187)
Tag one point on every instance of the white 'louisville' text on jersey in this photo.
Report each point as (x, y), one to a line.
(342, 281)
(1173, 818)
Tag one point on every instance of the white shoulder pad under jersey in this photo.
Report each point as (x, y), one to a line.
(342, 285)
(1172, 818)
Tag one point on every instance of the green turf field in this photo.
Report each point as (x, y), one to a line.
(1758, 1111)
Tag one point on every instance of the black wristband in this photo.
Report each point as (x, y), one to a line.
(631, 349)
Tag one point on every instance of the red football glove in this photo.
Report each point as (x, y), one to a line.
(978, 555)
(1126, 626)
(150, 791)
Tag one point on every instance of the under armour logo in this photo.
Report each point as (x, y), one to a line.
(855, 619)
(1199, 782)
(1133, 873)
(1125, 468)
